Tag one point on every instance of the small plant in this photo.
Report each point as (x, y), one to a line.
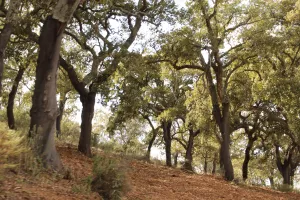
(109, 178)
(84, 187)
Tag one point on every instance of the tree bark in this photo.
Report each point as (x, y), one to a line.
(44, 106)
(11, 98)
(11, 18)
(88, 103)
(4, 39)
(205, 163)
(151, 142)
(176, 154)
(226, 157)
(61, 108)
(271, 179)
(222, 119)
(189, 152)
(214, 164)
(284, 168)
(154, 135)
(44, 109)
(247, 157)
(168, 141)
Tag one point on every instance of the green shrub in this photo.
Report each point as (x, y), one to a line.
(109, 178)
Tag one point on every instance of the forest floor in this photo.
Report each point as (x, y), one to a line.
(147, 181)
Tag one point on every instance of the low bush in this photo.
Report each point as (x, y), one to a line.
(109, 177)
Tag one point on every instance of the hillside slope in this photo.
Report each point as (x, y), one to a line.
(148, 181)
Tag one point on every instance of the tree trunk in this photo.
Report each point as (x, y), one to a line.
(226, 157)
(286, 175)
(176, 158)
(271, 179)
(11, 18)
(4, 39)
(247, 158)
(11, 99)
(88, 103)
(189, 152)
(62, 103)
(44, 107)
(205, 163)
(154, 135)
(214, 164)
(222, 119)
(168, 140)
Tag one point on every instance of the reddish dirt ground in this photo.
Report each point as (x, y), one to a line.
(148, 181)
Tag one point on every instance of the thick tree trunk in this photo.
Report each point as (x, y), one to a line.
(4, 39)
(11, 99)
(189, 152)
(286, 175)
(247, 158)
(168, 141)
(222, 119)
(61, 108)
(44, 108)
(88, 103)
(226, 157)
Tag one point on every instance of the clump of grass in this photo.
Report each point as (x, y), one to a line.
(109, 178)
(12, 146)
(84, 187)
(285, 188)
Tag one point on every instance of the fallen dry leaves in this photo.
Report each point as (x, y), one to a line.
(148, 182)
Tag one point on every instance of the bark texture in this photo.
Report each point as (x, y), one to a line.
(88, 103)
(44, 108)
(189, 150)
(168, 141)
(62, 103)
(11, 99)
(4, 39)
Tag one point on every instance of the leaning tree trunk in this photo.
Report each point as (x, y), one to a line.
(62, 103)
(168, 141)
(151, 142)
(189, 152)
(88, 103)
(11, 99)
(247, 158)
(11, 18)
(44, 107)
(154, 135)
(4, 39)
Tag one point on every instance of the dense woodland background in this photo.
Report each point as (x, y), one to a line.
(214, 84)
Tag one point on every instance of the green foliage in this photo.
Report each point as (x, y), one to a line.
(109, 177)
